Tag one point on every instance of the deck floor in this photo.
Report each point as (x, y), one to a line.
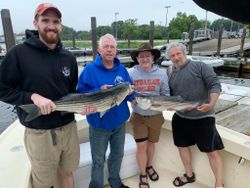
(165, 182)
(235, 118)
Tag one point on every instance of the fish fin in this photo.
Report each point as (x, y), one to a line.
(65, 113)
(69, 96)
(32, 110)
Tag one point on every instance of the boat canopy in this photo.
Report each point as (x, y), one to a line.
(235, 10)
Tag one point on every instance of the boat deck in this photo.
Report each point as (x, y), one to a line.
(167, 167)
(233, 108)
(164, 180)
(235, 118)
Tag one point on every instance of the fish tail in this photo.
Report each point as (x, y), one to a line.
(32, 110)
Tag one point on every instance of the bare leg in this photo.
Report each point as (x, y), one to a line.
(185, 155)
(141, 154)
(150, 153)
(66, 179)
(217, 167)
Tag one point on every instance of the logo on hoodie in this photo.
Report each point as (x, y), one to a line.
(66, 71)
(118, 80)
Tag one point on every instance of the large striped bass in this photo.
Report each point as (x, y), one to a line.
(162, 103)
(102, 100)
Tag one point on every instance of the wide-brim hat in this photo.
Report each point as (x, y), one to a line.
(145, 47)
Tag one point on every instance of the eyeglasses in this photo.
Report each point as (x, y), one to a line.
(144, 56)
(112, 47)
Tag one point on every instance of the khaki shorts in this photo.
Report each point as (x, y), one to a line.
(146, 127)
(46, 158)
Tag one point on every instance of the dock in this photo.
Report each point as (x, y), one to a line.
(7, 114)
(229, 47)
(233, 107)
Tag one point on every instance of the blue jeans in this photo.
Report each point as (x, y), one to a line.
(99, 139)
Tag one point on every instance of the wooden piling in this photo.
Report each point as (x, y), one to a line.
(94, 36)
(191, 37)
(129, 39)
(219, 40)
(242, 42)
(151, 33)
(7, 29)
(243, 64)
(74, 39)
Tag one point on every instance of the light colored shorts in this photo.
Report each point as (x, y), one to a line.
(146, 127)
(47, 157)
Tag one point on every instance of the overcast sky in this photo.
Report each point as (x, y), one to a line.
(77, 13)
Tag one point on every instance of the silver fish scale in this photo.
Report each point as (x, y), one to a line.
(102, 100)
(161, 103)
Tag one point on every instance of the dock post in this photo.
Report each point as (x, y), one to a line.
(93, 36)
(219, 40)
(242, 42)
(151, 33)
(243, 64)
(74, 39)
(129, 39)
(191, 38)
(7, 29)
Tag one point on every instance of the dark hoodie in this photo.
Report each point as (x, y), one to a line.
(32, 67)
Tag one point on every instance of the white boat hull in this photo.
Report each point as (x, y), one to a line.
(15, 167)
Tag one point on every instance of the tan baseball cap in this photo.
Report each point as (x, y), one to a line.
(45, 6)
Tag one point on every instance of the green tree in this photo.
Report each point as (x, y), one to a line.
(119, 28)
(203, 23)
(142, 32)
(129, 28)
(83, 35)
(227, 24)
(67, 33)
(102, 30)
(181, 23)
(160, 32)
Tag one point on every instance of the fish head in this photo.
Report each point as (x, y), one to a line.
(143, 103)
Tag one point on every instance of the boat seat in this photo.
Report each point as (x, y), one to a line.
(129, 165)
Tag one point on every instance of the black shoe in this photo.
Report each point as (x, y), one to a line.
(124, 186)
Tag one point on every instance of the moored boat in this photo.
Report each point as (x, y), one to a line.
(211, 61)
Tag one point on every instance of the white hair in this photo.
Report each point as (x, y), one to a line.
(175, 45)
(108, 35)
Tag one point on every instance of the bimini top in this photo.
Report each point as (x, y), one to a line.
(235, 10)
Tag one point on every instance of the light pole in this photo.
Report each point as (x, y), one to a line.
(167, 7)
(231, 27)
(116, 13)
(206, 25)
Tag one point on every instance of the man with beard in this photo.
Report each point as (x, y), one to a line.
(40, 71)
(195, 81)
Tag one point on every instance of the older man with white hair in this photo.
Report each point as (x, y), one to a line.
(195, 81)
